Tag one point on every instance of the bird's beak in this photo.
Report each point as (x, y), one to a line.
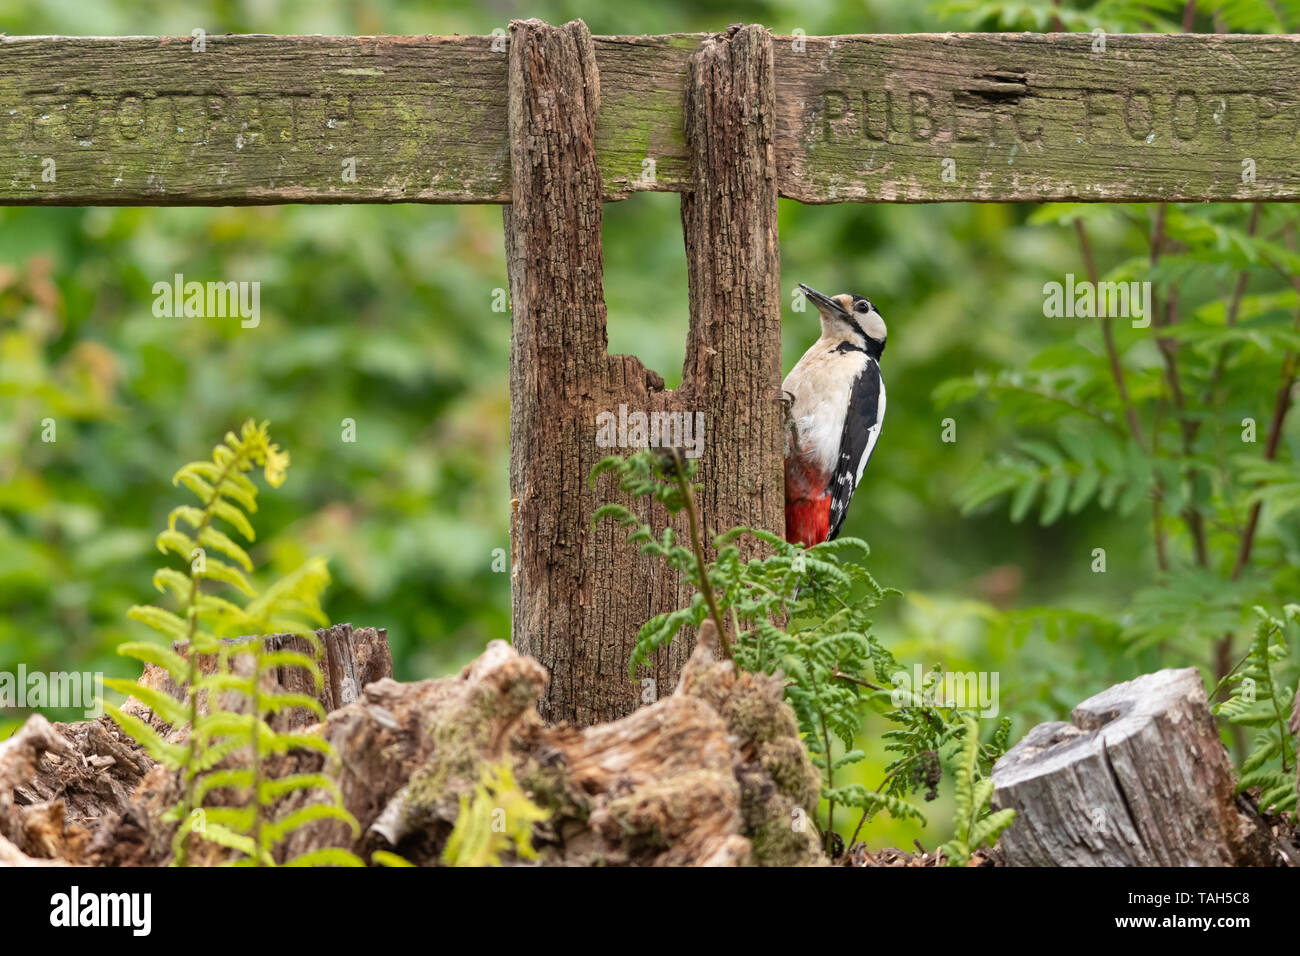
(823, 302)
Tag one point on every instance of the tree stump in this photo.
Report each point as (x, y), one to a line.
(1138, 777)
(71, 791)
(711, 775)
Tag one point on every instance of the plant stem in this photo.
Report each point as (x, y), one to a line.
(257, 753)
(1108, 334)
(697, 546)
(856, 680)
(858, 828)
(1281, 405)
(192, 677)
(1168, 349)
(1130, 411)
(830, 783)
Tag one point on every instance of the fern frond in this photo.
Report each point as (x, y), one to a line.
(384, 858)
(277, 830)
(162, 704)
(169, 754)
(164, 622)
(973, 824)
(220, 738)
(334, 856)
(164, 657)
(856, 795)
(498, 818)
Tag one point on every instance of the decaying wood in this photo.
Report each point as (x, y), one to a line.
(573, 610)
(20, 756)
(55, 782)
(264, 119)
(86, 772)
(714, 774)
(860, 856)
(711, 775)
(83, 793)
(351, 658)
(1138, 777)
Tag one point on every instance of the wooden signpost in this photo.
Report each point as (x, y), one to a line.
(551, 122)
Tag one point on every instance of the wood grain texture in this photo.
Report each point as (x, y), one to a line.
(264, 119)
(557, 354)
(574, 609)
(1137, 778)
(733, 260)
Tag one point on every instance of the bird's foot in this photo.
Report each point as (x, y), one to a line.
(787, 419)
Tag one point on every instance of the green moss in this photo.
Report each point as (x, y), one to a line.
(786, 762)
(435, 789)
(548, 787)
(769, 815)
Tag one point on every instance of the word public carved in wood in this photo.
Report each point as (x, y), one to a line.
(892, 118)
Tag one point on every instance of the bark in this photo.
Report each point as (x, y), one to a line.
(573, 608)
(1138, 777)
(714, 774)
(729, 219)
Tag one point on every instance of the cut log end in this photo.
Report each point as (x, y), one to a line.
(1138, 777)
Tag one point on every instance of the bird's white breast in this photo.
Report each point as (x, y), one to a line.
(821, 384)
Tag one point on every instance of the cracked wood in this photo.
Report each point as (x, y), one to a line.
(893, 118)
(574, 608)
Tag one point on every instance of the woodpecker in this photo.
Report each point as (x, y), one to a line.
(836, 401)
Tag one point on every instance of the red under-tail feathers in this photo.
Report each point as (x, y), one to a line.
(807, 512)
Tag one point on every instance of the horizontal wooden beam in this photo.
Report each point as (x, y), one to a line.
(890, 118)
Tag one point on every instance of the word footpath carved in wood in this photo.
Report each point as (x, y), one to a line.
(891, 118)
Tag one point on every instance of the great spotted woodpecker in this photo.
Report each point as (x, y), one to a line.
(837, 407)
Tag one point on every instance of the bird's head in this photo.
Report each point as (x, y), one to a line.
(849, 318)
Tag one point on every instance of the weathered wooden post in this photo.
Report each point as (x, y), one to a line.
(580, 593)
(729, 216)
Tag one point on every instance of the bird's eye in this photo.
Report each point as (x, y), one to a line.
(863, 307)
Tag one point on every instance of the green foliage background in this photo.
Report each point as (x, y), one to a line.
(383, 315)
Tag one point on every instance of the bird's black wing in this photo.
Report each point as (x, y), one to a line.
(861, 429)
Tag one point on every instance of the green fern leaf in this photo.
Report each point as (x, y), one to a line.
(334, 856)
(164, 657)
(169, 754)
(164, 622)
